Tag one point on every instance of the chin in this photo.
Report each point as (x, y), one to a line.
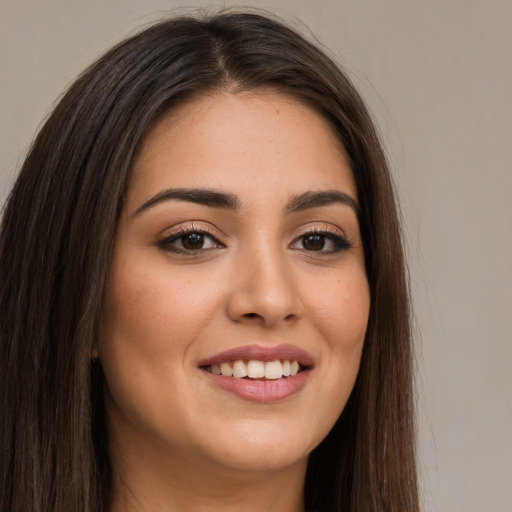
(258, 460)
(262, 447)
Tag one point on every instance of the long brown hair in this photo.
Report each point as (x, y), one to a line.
(56, 242)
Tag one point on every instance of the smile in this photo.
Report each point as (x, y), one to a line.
(259, 373)
(254, 369)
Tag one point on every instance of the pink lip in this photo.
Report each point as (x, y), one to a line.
(261, 353)
(261, 390)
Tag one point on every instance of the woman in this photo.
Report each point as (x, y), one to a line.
(204, 303)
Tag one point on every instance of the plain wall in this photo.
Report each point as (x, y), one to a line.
(438, 77)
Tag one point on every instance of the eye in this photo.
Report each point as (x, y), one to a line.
(189, 241)
(321, 241)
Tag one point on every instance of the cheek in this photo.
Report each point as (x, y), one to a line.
(153, 321)
(341, 312)
(157, 311)
(152, 324)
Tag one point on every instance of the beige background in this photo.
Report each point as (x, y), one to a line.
(438, 76)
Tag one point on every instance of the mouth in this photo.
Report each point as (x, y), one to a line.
(259, 373)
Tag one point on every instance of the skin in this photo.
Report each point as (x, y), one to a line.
(177, 441)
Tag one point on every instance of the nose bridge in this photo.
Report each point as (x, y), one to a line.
(265, 289)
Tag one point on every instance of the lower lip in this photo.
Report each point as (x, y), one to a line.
(261, 391)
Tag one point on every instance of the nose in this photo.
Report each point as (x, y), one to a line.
(264, 291)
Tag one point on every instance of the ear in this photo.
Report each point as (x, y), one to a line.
(94, 353)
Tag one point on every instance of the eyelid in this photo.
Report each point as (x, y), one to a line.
(319, 228)
(194, 227)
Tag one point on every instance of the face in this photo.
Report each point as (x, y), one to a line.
(238, 301)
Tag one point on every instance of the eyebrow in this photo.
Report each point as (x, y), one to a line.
(224, 200)
(324, 198)
(210, 198)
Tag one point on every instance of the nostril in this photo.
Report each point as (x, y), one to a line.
(252, 315)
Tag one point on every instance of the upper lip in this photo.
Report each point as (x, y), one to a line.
(261, 353)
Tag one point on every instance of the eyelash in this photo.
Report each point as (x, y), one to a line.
(341, 243)
(166, 243)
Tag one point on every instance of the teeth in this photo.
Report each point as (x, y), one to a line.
(226, 370)
(239, 369)
(254, 369)
(273, 370)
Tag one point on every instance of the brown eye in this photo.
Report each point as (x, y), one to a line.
(189, 242)
(313, 242)
(192, 241)
(324, 243)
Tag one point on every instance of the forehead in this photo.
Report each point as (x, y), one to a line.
(263, 139)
